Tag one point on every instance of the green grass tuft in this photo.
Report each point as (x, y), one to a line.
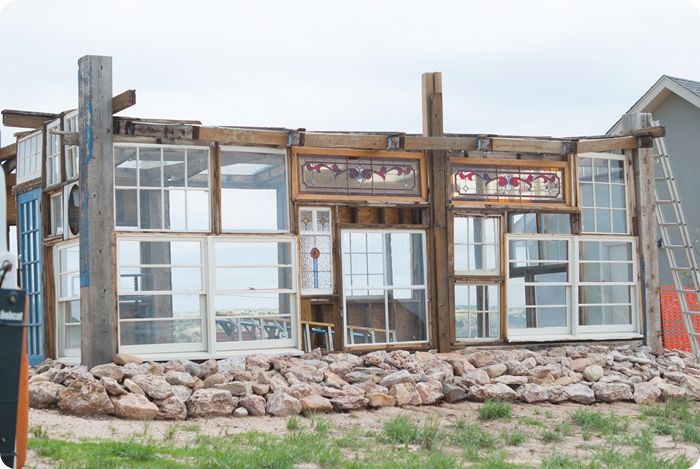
(492, 410)
(594, 420)
(513, 438)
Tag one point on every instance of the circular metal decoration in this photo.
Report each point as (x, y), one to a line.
(74, 209)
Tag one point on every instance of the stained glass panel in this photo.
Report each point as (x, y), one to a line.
(339, 175)
(316, 244)
(502, 183)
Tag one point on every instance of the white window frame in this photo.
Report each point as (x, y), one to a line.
(269, 151)
(162, 190)
(576, 331)
(540, 333)
(29, 150)
(72, 152)
(56, 228)
(53, 154)
(61, 350)
(497, 313)
(174, 347)
(627, 185)
(292, 341)
(314, 232)
(209, 346)
(470, 242)
(635, 298)
(385, 288)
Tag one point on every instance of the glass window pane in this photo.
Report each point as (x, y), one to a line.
(617, 171)
(126, 208)
(600, 170)
(407, 316)
(125, 166)
(173, 167)
(161, 279)
(151, 209)
(175, 210)
(256, 278)
(178, 253)
(150, 167)
(160, 332)
(160, 306)
(476, 311)
(198, 211)
(254, 191)
(602, 195)
(267, 253)
(197, 168)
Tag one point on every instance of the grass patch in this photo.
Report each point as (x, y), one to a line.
(293, 423)
(561, 462)
(532, 421)
(173, 430)
(678, 408)
(597, 421)
(400, 430)
(492, 410)
(38, 431)
(549, 436)
(690, 433)
(513, 438)
(471, 439)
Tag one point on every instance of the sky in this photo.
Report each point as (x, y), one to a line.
(512, 67)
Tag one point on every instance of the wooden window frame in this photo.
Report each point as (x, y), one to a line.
(311, 151)
(565, 205)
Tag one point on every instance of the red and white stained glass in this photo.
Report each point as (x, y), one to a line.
(316, 251)
(507, 183)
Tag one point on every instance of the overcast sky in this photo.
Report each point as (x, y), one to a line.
(533, 67)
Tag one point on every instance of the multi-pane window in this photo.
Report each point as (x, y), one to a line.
(72, 152)
(603, 197)
(606, 291)
(161, 294)
(384, 287)
(477, 312)
(56, 214)
(68, 298)
(539, 284)
(254, 194)
(29, 158)
(53, 154)
(159, 187)
(316, 251)
(539, 223)
(476, 245)
(254, 292)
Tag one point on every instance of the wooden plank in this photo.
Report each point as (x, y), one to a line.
(97, 248)
(417, 142)
(123, 100)
(215, 170)
(645, 215)
(523, 145)
(441, 308)
(607, 144)
(26, 119)
(332, 140)
(233, 136)
(9, 151)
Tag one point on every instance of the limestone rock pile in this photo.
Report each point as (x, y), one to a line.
(287, 385)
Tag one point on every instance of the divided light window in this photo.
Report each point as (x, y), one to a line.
(29, 158)
(161, 295)
(384, 287)
(161, 187)
(56, 214)
(53, 154)
(477, 311)
(254, 195)
(476, 245)
(68, 299)
(72, 152)
(316, 251)
(603, 196)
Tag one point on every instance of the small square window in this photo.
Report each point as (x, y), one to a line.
(477, 245)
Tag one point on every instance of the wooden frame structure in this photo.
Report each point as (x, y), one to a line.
(431, 213)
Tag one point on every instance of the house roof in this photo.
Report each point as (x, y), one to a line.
(664, 86)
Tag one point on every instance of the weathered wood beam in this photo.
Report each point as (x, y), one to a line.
(9, 151)
(123, 100)
(26, 119)
(363, 142)
(232, 136)
(97, 250)
(523, 145)
(608, 144)
(417, 143)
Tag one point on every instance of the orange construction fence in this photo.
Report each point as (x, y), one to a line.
(675, 335)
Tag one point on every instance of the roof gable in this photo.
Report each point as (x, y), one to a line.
(664, 86)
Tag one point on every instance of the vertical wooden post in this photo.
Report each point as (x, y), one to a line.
(645, 206)
(97, 250)
(438, 178)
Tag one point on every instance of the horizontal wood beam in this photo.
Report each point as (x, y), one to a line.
(231, 136)
(524, 145)
(416, 142)
(123, 100)
(9, 151)
(26, 119)
(328, 140)
(608, 144)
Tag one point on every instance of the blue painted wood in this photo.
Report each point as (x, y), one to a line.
(31, 269)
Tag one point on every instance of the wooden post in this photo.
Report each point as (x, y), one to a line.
(439, 189)
(646, 229)
(97, 249)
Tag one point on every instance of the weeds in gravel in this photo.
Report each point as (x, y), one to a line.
(38, 431)
(492, 410)
(293, 423)
(400, 430)
(531, 421)
(513, 438)
(549, 436)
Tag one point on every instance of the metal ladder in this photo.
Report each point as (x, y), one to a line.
(675, 240)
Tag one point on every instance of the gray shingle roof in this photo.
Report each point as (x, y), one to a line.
(690, 85)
